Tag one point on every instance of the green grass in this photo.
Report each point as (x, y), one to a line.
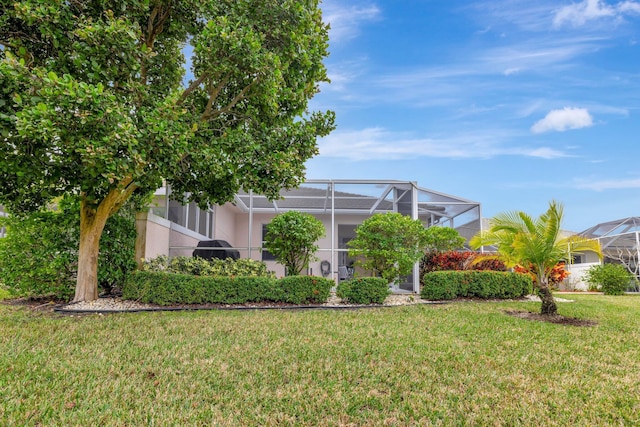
(4, 292)
(454, 364)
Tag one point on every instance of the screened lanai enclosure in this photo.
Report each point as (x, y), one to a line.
(340, 204)
(619, 241)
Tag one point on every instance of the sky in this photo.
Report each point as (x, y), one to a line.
(510, 103)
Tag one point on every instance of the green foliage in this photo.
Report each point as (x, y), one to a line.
(536, 242)
(170, 288)
(447, 285)
(38, 256)
(388, 245)
(92, 101)
(291, 238)
(5, 293)
(364, 290)
(443, 239)
(215, 267)
(612, 279)
(305, 289)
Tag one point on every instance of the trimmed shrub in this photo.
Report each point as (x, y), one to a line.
(243, 267)
(165, 288)
(305, 289)
(291, 238)
(364, 290)
(171, 288)
(438, 286)
(388, 245)
(446, 285)
(612, 279)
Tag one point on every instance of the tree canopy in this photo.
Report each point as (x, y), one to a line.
(389, 244)
(103, 99)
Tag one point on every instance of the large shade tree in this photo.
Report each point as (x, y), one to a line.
(538, 242)
(103, 99)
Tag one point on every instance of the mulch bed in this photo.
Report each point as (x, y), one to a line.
(558, 319)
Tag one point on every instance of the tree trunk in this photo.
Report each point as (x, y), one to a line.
(549, 307)
(141, 237)
(92, 222)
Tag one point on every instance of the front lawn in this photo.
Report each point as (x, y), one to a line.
(459, 363)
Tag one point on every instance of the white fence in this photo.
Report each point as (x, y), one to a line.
(575, 281)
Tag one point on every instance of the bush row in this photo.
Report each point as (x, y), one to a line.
(164, 288)
(445, 285)
(364, 290)
(215, 267)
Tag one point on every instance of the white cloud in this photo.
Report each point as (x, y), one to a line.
(565, 119)
(611, 184)
(578, 14)
(345, 21)
(629, 6)
(545, 153)
(381, 144)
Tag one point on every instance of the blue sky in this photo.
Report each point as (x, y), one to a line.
(510, 103)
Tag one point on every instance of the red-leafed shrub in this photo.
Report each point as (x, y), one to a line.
(557, 275)
(446, 261)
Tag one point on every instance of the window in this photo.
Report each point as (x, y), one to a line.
(266, 255)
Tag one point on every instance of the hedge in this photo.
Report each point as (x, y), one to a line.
(446, 285)
(304, 289)
(214, 267)
(164, 288)
(364, 290)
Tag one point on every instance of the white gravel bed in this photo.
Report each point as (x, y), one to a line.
(118, 304)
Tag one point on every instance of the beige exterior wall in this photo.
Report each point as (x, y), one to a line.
(224, 223)
(157, 242)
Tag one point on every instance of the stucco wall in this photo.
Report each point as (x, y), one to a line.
(224, 223)
(575, 281)
(157, 239)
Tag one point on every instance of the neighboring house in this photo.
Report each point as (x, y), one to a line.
(619, 241)
(577, 266)
(172, 229)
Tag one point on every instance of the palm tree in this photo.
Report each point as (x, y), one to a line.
(522, 240)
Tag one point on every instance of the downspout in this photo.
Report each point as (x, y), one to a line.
(414, 215)
(249, 241)
(334, 269)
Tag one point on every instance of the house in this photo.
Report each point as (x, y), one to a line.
(172, 229)
(620, 244)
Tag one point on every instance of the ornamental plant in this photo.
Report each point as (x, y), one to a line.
(291, 238)
(388, 245)
(612, 279)
(443, 239)
(523, 240)
(556, 275)
(454, 260)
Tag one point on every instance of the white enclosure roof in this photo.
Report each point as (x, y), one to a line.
(365, 197)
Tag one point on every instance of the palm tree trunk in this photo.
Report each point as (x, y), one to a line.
(549, 307)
